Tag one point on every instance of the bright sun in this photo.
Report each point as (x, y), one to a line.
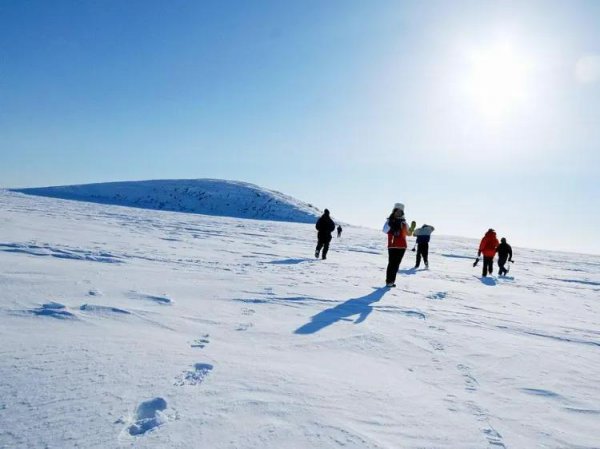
(496, 80)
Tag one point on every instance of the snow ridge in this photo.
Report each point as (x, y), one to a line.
(200, 196)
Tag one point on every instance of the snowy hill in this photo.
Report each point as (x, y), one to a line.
(133, 328)
(200, 196)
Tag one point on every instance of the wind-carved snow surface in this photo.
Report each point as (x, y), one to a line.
(200, 196)
(170, 330)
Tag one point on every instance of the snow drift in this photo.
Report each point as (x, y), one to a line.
(198, 196)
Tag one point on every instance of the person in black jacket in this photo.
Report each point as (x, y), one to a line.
(325, 226)
(504, 252)
(339, 230)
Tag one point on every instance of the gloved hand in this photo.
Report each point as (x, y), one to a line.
(511, 261)
(478, 253)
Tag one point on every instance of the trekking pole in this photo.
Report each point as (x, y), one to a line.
(476, 262)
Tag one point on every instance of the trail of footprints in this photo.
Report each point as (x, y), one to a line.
(153, 413)
(471, 385)
(241, 327)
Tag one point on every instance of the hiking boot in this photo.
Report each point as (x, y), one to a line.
(317, 254)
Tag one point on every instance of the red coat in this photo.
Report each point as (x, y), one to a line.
(396, 241)
(488, 244)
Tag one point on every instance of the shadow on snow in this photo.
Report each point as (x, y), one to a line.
(457, 256)
(354, 306)
(289, 261)
(487, 280)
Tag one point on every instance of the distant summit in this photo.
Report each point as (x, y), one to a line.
(198, 196)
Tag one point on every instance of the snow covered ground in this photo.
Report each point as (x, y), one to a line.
(201, 196)
(124, 327)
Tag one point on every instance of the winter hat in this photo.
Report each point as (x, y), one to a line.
(326, 212)
(491, 230)
(399, 206)
(503, 240)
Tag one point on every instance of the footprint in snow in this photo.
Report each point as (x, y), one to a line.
(194, 376)
(493, 437)
(201, 342)
(244, 327)
(436, 345)
(438, 295)
(471, 383)
(148, 415)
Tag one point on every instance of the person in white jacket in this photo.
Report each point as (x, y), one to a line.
(423, 235)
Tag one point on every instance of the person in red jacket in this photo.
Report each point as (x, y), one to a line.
(396, 229)
(487, 247)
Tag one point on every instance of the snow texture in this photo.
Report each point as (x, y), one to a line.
(171, 330)
(199, 196)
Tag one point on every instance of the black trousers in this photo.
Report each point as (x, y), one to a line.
(488, 265)
(323, 242)
(422, 251)
(501, 268)
(395, 256)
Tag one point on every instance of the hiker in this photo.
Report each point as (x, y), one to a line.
(325, 226)
(504, 251)
(488, 246)
(411, 230)
(339, 230)
(396, 229)
(423, 235)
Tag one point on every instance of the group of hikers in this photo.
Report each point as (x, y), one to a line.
(397, 230)
(489, 246)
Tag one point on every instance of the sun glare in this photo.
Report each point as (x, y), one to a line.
(496, 80)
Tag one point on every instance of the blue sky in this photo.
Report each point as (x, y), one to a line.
(474, 114)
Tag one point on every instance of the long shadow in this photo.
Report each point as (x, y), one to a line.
(354, 306)
(412, 270)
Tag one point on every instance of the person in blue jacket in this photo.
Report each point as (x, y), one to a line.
(423, 235)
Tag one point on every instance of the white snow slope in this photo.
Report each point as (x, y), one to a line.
(133, 328)
(200, 196)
